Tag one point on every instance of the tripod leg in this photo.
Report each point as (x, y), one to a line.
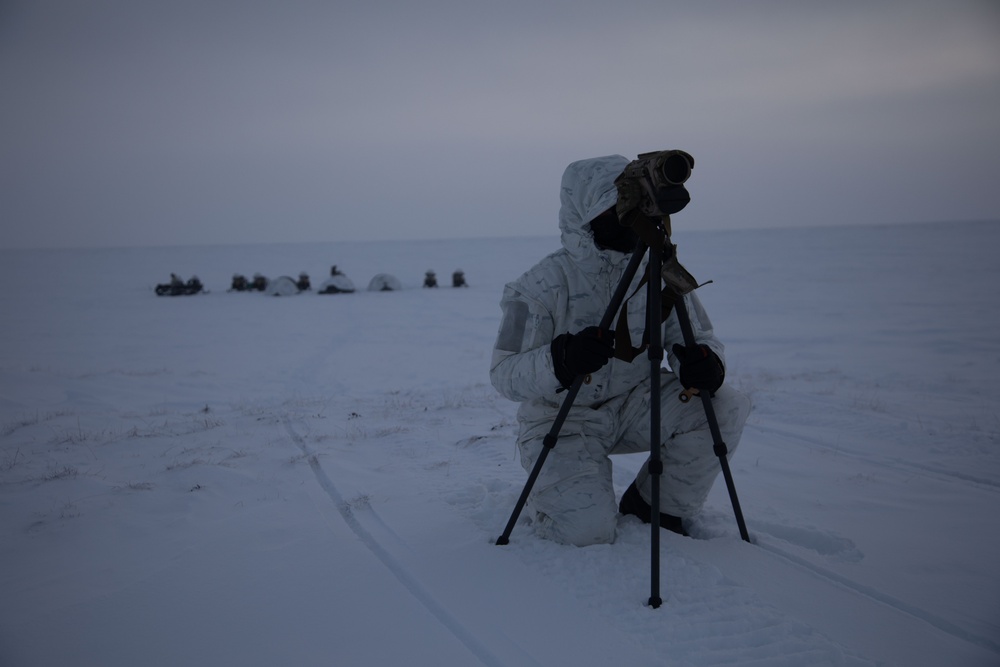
(655, 465)
(553, 435)
(713, 423)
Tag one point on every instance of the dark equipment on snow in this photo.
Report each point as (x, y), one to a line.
(259, 283)
(239, 284)
(650, 189)
(177, 287)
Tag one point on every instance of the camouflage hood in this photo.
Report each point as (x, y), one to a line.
(588, 189)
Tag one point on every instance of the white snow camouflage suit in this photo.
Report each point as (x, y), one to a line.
(573, 500)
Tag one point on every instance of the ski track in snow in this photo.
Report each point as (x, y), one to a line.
(878, 596)
(790, 535)
(895, 464)
(393, 564)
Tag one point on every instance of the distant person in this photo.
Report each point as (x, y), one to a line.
(547, 339)
(303, 282)
(430, 279)
(458, 279)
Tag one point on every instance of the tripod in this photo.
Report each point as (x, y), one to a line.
(654, 238)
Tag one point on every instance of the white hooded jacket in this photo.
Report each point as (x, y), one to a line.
(570, 290)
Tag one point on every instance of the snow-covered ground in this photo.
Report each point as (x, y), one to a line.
(235, 479)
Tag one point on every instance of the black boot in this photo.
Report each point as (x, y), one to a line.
(632, 503)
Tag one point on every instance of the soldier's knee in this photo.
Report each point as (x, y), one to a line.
(579, 510)
(732, 409)
(732, 406)
(577, 528)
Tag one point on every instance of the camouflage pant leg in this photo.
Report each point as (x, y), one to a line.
(690, 465)
(573, 500)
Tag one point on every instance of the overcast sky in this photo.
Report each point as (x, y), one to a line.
(132, 122)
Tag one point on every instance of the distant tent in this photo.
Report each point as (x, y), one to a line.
(384, 282)
(283, 286)
(336, 284)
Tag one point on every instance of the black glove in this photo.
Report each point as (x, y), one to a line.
(581, 353)
(699, 368)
